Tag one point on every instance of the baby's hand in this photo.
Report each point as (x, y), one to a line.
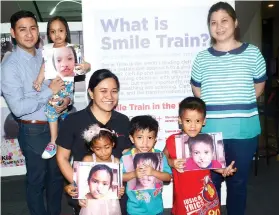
(71, 190)
(229, 170)
(179, 164)
(37, 85)
(82, 203)
(121, 192)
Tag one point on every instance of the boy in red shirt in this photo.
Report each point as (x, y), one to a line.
(193, 191)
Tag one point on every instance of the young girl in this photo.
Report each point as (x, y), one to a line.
(101, 142)
(58, 34)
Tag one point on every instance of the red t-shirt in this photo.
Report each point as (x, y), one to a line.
(193, 191)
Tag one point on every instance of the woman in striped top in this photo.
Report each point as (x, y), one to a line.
(229, 77)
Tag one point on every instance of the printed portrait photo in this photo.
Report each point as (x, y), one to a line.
(97, 180)
(155, 160)
(205, 151)
(61, 61)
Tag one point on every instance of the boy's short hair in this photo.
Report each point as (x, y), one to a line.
(142, 123)
(153, 157)
(192, 103)
(204, 138)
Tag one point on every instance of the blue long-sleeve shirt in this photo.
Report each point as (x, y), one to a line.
(18, 73)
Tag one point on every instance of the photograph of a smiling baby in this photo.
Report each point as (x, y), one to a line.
(205, 151)
(140, 161)
(61, 61)
(97, 180)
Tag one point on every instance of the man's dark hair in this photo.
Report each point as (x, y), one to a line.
(192, 103)
(19, 15)
(144, 122)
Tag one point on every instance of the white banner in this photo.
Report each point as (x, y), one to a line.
(150, 46)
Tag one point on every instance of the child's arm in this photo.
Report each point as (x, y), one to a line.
(228, 171)
(162, 176)
(121, 192)
(129, 176)
(83, 68)
(178, 164)
(71, 189)
(41, 77)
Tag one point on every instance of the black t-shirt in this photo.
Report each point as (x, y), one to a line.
(71, 129)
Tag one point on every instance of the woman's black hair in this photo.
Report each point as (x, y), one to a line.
(101, 75)
(63, 20)
(100, 167)
(229, 9)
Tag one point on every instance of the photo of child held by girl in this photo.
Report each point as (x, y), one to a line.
(61, 62)
(204, 151)
(97, 180)
(140, 161)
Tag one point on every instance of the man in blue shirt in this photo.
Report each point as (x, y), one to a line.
(18, 73)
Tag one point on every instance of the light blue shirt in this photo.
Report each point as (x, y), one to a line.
(19, 72)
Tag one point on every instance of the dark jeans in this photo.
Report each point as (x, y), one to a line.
(242, 152)
(41, 174)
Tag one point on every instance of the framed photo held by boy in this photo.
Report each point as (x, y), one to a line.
(204, 151)
(131, 163)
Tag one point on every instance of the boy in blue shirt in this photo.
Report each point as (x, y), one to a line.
(143, 134)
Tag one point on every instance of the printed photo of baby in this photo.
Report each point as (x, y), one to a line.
(61, 61)
(64, 60)
(138, 161)
(205, 151)
(97, 180)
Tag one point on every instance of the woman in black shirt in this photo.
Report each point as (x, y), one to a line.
(103, 90)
